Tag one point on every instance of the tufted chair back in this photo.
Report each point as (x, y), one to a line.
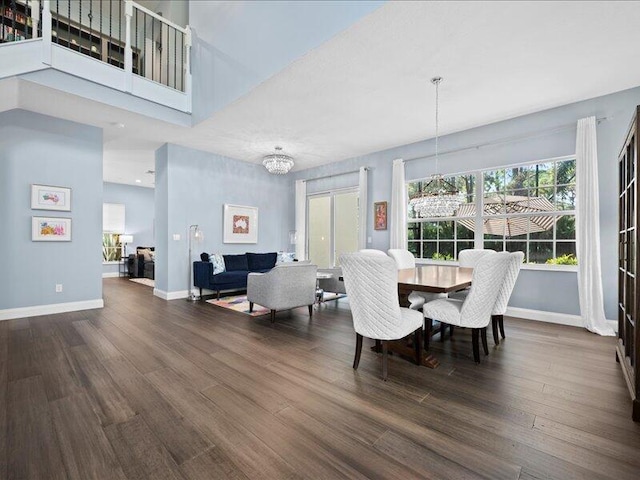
(509, 282)
(372, 251)
(469, 258)
(486, 283)
(371, 282)
(404, 258)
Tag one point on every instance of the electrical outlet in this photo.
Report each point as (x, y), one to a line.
(58, 287)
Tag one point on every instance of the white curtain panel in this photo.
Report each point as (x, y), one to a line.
(588, 230)
(398, 218)
(362, 208)
(301, 219)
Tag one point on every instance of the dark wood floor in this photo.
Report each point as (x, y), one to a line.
(148, 389)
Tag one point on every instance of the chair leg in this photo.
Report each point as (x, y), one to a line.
(428, 324)
(311, 310)
(273, 316)
(417, 345)
(474, 342)
(443, 329)
(494, 329)
(501, 323)
(483, 335)
(200, 293)
(384, 360)
(218, 294)
(378, 346)
(356, 360)
(250, 307)
(450, 331)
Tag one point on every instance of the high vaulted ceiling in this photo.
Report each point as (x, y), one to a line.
(368, 88)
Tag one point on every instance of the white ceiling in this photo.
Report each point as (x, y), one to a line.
(368, 88)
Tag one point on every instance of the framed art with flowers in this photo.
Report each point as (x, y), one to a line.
(45, 197)
(47, 229)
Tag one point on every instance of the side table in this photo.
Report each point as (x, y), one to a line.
(123, 267)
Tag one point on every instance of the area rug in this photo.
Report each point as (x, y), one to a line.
(144, 281)
(239, 303)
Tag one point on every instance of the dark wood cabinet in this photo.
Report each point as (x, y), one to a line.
(628, 347)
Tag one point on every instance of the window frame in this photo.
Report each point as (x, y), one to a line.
(479, 194)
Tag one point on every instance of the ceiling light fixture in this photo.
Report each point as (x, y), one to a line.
(439, 197)
(278, 163)
(138, 180)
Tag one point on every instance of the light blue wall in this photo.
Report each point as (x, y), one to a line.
(139, 211)
(44, 150)
(191, 187)
(239, 44)
(538, 290)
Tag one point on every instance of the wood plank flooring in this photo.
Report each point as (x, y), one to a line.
(149, 389)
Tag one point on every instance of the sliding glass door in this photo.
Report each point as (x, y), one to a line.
(332, 226)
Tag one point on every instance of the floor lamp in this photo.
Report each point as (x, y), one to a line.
(195, 236)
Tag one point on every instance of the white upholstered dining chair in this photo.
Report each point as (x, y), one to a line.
(371, 282)
(469, 257)
(372, 251)
(500, 307)
(475, 311)
(405, 259)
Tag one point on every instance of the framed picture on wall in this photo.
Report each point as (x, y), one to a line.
(48, 229)
(45, 197)
(380, 215)
(240, 224)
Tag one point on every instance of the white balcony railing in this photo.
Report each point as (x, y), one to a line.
(116, 43)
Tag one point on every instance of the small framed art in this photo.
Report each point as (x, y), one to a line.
(48, 229)
(380, 215)
(240, 224)
(45, 197)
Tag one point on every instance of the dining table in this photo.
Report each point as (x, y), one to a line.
(432, 279)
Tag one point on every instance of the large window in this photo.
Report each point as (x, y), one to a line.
(531, 208)
(113, 224)
(443, 238)
(528, 208)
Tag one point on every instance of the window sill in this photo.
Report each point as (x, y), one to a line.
(525, 266)
(113, 262)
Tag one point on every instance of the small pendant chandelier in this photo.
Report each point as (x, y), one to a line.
(438, 198)
(278, 163)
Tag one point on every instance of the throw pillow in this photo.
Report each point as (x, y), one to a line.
(146, 253)
(218, 263)
(235, 263)
(286, 257)
(258, 262)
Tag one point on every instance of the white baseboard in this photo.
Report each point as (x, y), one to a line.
(551, 317)
(171, 295)
(110, 274)
(36, 310)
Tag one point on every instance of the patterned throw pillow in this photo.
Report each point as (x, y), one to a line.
(286, 257)
(218, 263)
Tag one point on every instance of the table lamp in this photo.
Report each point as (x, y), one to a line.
(124, 239)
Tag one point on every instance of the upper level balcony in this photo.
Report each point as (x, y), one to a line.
(116, 43)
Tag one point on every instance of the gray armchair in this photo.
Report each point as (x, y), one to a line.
(284, 287)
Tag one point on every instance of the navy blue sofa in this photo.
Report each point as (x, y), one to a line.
(237, 268)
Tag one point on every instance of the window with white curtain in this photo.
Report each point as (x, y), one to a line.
(113, 225)
(529, 207)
